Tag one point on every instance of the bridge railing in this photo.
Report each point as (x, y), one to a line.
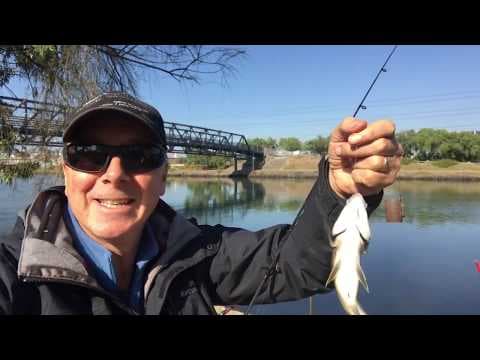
(201, 140)
(35, 122)
(43, 123)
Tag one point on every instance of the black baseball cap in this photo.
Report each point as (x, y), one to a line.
(123, 103)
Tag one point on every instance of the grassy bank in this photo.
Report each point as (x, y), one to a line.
(307, 167)
(440, 170)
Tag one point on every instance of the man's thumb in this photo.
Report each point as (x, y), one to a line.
(347, 127)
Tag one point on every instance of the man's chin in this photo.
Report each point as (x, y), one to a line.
(114, 231)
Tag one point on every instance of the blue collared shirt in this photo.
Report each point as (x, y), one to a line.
(99, 261)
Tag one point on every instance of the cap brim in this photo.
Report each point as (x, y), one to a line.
(78, 119)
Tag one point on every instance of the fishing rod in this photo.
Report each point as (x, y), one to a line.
(272, 269)
(382, 69)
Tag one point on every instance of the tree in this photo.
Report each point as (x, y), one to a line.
(406, 138)
(318, 145)
(68, 75)
(264, 143)
(434, 144)
(290, 144)
(207, 162)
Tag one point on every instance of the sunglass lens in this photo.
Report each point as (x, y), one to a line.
(86, 158)
(142, 159)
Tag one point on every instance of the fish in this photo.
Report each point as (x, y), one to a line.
(351, 236)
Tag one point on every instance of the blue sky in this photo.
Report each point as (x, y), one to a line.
(304, 91)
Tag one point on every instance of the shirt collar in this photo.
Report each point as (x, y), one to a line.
(99, 260)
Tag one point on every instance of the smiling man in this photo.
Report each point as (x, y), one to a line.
(106, 243)
(114, 177)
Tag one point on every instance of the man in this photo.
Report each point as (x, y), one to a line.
(107, 244)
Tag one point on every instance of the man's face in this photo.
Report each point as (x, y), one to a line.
(114, 203)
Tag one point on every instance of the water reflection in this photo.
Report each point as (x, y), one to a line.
(221, 200)
(19, 194)
(428, 202)
(425, 203)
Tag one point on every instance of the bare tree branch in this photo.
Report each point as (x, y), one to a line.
(70, 74)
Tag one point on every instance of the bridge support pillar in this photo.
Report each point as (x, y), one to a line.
(253, 163)
(236, 164)
(235, 189)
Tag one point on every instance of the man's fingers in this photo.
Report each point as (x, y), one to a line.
(383, 164)
(382, 146)
(377, 130)
(347, 127)
(372, 179)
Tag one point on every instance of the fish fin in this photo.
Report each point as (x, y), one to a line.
(362, 224)
(333, 243)
(333, 273)
(338, 229)
(333, 240)
(362, 277)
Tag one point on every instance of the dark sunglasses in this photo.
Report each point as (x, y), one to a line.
(96, 158)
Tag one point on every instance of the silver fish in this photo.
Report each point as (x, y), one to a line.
(351, 233)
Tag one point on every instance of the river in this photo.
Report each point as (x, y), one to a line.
(424, 265)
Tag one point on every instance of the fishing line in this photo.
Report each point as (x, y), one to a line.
(273, 267)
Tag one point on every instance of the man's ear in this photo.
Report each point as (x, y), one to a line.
(164, 179)
(165, 173)
(64, 169)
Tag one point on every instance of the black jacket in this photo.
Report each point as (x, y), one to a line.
(199, 266)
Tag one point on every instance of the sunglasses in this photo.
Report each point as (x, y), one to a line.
(96, 158)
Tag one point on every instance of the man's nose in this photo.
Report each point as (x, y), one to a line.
(115, 171)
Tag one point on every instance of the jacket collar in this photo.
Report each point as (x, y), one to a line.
(47, 249)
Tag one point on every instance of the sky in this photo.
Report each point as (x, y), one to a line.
(306, 90)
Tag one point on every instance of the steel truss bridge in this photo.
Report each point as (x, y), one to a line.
(37, 123)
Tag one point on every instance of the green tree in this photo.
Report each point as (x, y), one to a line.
(318, 145)
(435, 144)
(207, 162)
(290, 144)
(263, 142)
(67, 75)
(406, 138)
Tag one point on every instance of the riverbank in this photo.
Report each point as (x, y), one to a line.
(306, 167)
(427, 171)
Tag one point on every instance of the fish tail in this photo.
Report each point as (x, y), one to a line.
(353, 308)
(358, 310)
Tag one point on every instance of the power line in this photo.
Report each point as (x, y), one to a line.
(412, 114)
(470, 126)
(341, 115)
(427, 96)
(376, 103)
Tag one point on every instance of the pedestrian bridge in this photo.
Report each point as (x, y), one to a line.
(37, 123)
